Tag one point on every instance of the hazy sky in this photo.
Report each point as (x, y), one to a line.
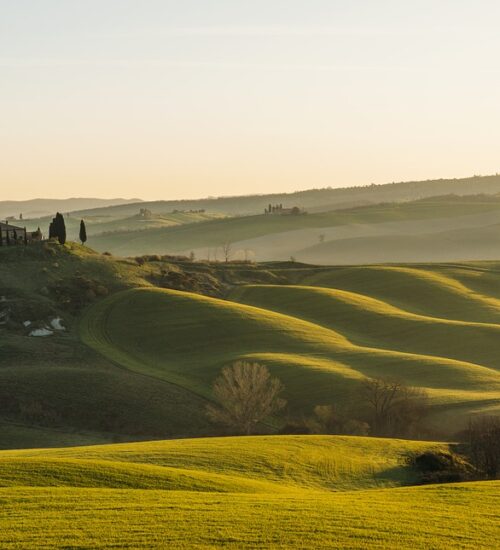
(186, 98)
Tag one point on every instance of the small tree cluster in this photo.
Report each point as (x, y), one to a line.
(484, 444)
(393, 409)
(334, 419)
(57, 229)
(273, 208)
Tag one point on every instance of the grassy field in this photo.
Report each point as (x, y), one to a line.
(293, 491)
(138, 361)
(320, 343)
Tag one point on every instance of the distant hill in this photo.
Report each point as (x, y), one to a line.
(105, 224)
(37, 208)
(312, 236)
(472, 243)
(319, 199)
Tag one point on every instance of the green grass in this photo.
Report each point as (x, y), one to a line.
(291, 462)
(289, 491)
(154, 353)
(464, 291)
(190, 337)
(372, 322)
(455, 516)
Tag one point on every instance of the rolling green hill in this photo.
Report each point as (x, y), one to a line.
(345, 338)
(293, 491)
(143, 343)
(230, 464)
(138, 358)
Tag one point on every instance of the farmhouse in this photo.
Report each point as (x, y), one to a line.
(278, 209)
(11, 235)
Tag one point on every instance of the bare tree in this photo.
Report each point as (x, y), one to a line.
(227, 250)
(484, 444)
(247, 395)
(393, 407)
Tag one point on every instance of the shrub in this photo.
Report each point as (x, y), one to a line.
(484, 444)
(393, 408)
(441, 467)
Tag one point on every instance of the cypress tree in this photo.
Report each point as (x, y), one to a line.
(83, 232)
(52, 229)
(60, 228)
(1, 236)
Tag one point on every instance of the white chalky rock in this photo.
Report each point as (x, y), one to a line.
(27, 323)
(56, 324)
(41, 332)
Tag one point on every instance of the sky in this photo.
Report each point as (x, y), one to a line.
(164, 99)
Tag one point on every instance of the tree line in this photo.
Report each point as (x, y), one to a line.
(57, 229)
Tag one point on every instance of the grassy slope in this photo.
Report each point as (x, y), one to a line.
(237, 492)
(371, 322)
(56, 390)
(468, 291)
(215, 232)
(435, 326)
(229, 464)
(188, 338)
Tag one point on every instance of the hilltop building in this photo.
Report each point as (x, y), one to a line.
(11, 235)
(278, 210)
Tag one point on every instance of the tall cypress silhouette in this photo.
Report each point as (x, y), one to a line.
(60, 228)
(83, 232)
(52, 229)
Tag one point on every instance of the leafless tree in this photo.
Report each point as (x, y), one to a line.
(246, 395)
(394, 409)
(227, 250)
(484, 444)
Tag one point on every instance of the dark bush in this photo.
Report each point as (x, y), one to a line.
(483, 445)
(441, 467)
